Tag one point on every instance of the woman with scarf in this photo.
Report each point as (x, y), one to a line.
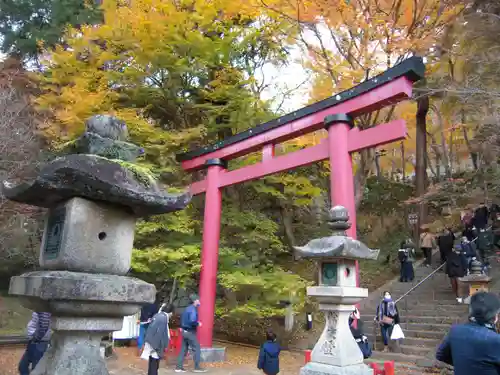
(387, 317)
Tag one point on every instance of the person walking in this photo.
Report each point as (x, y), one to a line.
(39, 337)
(147, 313)
(469, 251)
(387, 316)
(157, 339)
(455, 268)
(427, 243)
(406, 256)
(472, 348)
(445, 243)
(481, 215)
(269, 355)
(484, 245)
(189, 326)
(495, 227)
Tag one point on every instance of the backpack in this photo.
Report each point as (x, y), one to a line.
(365, 347)
(403, 255)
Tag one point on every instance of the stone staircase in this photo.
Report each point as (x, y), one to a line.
(426, 314)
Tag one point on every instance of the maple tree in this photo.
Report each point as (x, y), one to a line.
(181, 74)
(348, 42)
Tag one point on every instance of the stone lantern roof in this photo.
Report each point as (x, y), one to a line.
(99, 166)
(338, 245)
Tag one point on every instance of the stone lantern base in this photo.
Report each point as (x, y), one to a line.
(314, 368)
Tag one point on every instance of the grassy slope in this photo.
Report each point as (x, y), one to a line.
(13, 317)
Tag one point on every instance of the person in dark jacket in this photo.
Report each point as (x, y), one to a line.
(157, 339)
(387, 316)
(39, 337)
(358, 335)
(468, 250)
(495, 227)
(189, 326)
(481, 215)
(147, 313)
(473, 347)
(269, 355)
(445, 243)
(456, 266)
(406, 256)
(484, 244)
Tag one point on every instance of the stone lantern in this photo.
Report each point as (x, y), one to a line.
(94, 194)
(336, 351)
(477, 280)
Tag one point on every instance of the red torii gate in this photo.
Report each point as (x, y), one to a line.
(336, 115)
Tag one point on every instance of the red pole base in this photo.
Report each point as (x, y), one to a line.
(307, 356)
(388, 369)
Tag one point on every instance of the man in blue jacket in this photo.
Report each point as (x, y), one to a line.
(473, 348)
(189, 325)
(39, 337)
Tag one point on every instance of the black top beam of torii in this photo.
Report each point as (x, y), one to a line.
(412, 68)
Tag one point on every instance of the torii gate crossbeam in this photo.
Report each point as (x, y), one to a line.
(336, 115)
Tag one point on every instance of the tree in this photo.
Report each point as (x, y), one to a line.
(27, 25)
(350, 41)
(180, 74)
(20, 156)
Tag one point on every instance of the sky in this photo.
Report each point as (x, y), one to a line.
(289, 88)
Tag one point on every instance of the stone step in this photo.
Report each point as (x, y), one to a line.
(412, 341)
(414, 350)
(401, 368)
(412, 333)
(434, 305)
(456, 311)
(397, 357)
(443, 319)
(427, 327)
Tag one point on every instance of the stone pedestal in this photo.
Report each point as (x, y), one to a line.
(476, 281)
(85, 307)
(93, 200)
(336, 352)
(314, 368)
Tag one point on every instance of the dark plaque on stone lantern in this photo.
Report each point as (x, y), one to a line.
(54, 232)
(329, 274)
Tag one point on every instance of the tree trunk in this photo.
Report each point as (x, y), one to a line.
(403, 161)
(287, 218)
(473, 155)
(173, 292)
(421, 150)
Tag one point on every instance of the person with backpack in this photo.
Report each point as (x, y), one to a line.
(269, 361)
(357, 333)
(406, 256)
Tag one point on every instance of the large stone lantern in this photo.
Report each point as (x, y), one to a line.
(336, 351)
(94, 194)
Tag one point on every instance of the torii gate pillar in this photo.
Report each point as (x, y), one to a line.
(210, 249)
(341, 176)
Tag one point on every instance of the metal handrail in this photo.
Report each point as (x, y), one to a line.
(429, 275)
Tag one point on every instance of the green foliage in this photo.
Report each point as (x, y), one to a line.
(383, 196)
(25, 25)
